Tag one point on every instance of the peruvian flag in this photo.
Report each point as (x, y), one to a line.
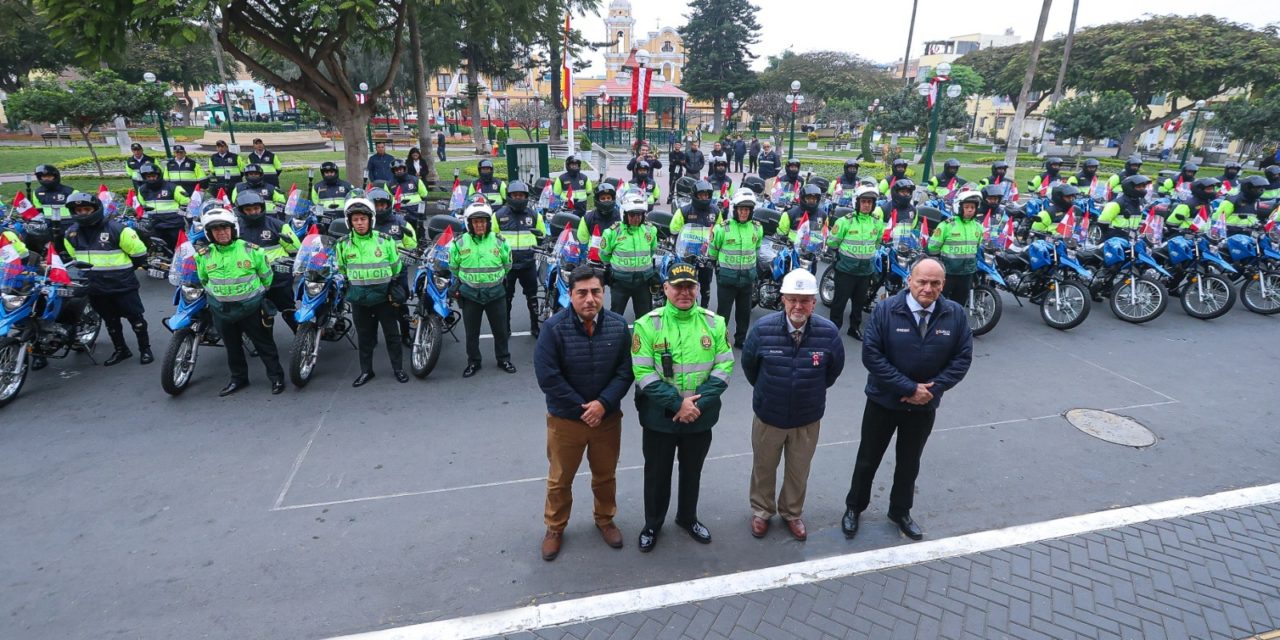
(728, 109)
(1068, 224)
(398, 197)
(924, 228)
(9, 256)
(446, 237)
(1271, 223)
(1005, 239)
(641, 81)
(1084, 226)
(826, 229)
(802, 231)
(593, 250)
(222, 196)
(183, 269)
(197, 199)
(292, 202)
(724, 195)
(1201, 221)
(361, 97)
(839, 190)
(458, 199)
(568, 194)
(131, 203)
(104, 195)
(986, 228)
(933, 92)
(24, 207)
(888, 230)
(57, 271)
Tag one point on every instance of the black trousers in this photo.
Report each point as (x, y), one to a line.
(128, 305)
(957, 288)
(640, 296)
(257, 327)
(730, 297)
(440, 152)
(706, 274)
(737, 164)
(366, 320)
(282, 298)
(527, 277)
(878, 425)
(660, 453)
(753, 164)
(849, 288)
(496, 312)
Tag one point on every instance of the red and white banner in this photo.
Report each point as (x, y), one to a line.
(566, 71)
(641, 81)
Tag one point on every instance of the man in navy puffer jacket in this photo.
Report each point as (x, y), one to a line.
(583, 364)
(791, 358)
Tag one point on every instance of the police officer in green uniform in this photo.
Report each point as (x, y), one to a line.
(164, 200)
(604, 215)
(897, 172)
(946, 184)
(1132, 167)
(236, 276)
(224, 166)
(1062, 199)
(255, 181)
(137, 158)
(628, 250)
(278, 241)
(1203, 192)
(956, 241)
(115, 251)
(574, 178)
(1179, 186)
(182, 171)
(51, 196)
(412, 192)
(1049, 178)
(521, 229)
(855, 237)
(267, 160)
(682, 363)
(734, 247)
(370, 262)
(1242, 210)
(332, 192)
(390, 223)
(493, 189)
(643, 180)
(481, 259)
(1125, 213)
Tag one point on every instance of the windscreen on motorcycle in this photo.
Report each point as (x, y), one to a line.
(548, 201)
(693, 242)
(314, 258)
(904, 238)
(183, 268)
(568, 250)
(16, 278)
(809, 241)
(1152, 229)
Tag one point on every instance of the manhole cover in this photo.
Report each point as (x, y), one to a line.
(1108, 426)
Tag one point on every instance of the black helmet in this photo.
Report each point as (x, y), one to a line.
(253, 174)
(1091, 163)
(570, 161)
(36, 232)
(48, 170)
(725, 162)
(327, 168)
(1272, 172)
(377, 195)
(149, 169)
(994, 191)
(482, 165)
(900, 162)
(1190, 168)
(951, 164)
(1251, 188)
(754, 183)
(79, 199)
(702, 186)
(810, 190)
(999, 164)
(606, 207)
(643, 164)
(852, 163)
(517, 186)
(398, 164)
(1232, 168)
(1135, 186)
(250, 197)
(1052, 160)
(1060, 193)
(792, 162)
(1205, 189)
(902, 199)
(1134, 162)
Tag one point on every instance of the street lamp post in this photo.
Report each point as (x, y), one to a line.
(604, 115)
(271, 107)
(164, 134)
(728, 125)
(925, 89)
(1186, 148)
(794, 99)
(642, 59)
(368, 124)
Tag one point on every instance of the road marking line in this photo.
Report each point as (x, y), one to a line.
(650, 598)
(1098, 366)
(302, 455)
(726, 456)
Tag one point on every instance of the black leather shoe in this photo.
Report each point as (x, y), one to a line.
(277, 387)
(506, 365)
(849, 523)
(231, 388)
(116, 357)
(648, 538)
(145, 356)
(39, 362)
(534, 330)
(697, 531)
(855, 334)
(472, 368)
(401, 376)
(362, 379)
(908, 526)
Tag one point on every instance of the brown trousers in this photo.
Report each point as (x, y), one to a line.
(566, 442)
(768, 444)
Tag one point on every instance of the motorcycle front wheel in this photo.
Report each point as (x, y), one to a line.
(1066, 307)
(1207, 296)
(1139, 300)
(984, 309)
(426, 345)
(12, 374)
(179, 362)
(1251, 294)
(827, 286)
(304, 354)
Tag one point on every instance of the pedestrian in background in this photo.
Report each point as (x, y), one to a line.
(753, 155)
(583, 366)
(791, 358)
(739, 153)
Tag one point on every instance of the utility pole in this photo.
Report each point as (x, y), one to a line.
(911, 32)
(1020, 114)
(1066, 54)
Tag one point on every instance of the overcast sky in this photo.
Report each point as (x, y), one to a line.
(880, 33)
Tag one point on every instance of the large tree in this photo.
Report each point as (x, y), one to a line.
(772, 108)
(188, 66)
(311, 35)
(719, 38)
(24, 46)
(828, 76)
(1003, 69)
(1253, 120)
(1108, 114)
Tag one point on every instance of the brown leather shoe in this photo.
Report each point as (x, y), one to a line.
(612, 536)
(759, 526)
(797, 529)
(551, 545)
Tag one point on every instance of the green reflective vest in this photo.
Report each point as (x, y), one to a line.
(235, 276)
(957, 241)
(629, 250)
(1119, 217)
(734, 247)
(856, 237)
(702, 363)
(481, 263)
(1238, 213)
(369, 262)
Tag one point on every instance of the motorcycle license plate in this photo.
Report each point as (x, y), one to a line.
(156, 273)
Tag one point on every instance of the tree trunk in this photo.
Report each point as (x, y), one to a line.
(477, 118)
(352, 123)
(555, 131)
(186, 110)
(1020, 113)
(717, 116)
(420, 95)
(84, 133)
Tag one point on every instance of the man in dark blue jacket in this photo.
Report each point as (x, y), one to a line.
(791, 358)
(583, 364)
(916, 346)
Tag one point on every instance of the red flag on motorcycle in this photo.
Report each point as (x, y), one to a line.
(1006, 237)
(131, 202)
(446, 237)
(803, 231)
(8, 255)
(1200, 221)
(593, 252)
(197, 199)
(183, 267)
(1271, 222)
(724, 195)
(313, 231)
(888, 230)
(57, 271)
(986, 228)
(222, 196)
(1068, 223)
(24, 207)
(924, 228)
(291, 203)
(399, 195)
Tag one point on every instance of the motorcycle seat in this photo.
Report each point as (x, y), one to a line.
(1092, 254)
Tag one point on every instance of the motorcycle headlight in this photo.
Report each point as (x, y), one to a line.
(13, 301)
(315, 288)
(191, 293)
(442, 282)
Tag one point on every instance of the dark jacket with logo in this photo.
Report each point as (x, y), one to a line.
(897, 358)
(791, 381)
(574, 368)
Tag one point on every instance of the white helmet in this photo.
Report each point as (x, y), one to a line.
(358, 205)
(866, 190)
(478, 209)
(217, 217)
(634, 203)
(800, 282)
(743, 198)
(967, 195)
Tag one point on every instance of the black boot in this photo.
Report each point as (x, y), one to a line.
(533, 317)
(121, 354)
(144, 342)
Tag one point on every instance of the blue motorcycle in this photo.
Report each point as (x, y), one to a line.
(322, 311)
(1046, 272)
(776, 258)
(191, 323)
(555, 265)
(1199, 277)
(435, 314)
(39, 317)
(1122, 272)
(1256, 254)
(984, 305)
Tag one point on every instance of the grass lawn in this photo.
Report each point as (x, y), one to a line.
(178, 134)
